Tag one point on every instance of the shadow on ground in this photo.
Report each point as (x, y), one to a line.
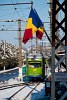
(40, 95)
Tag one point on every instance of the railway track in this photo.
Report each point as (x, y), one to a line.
(30, 85)
(16, 89)
(31, 91)
(20, 91)
(16, 92)
(13, 85)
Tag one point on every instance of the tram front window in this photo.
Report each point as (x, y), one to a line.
(34, 65)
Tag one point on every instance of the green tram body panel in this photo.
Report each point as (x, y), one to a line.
(34, 67)
(34, 71)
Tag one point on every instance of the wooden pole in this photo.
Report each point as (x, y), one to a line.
(4, 51)
(20, 51)
(36, 45)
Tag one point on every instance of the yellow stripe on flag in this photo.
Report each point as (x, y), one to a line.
(31, 25)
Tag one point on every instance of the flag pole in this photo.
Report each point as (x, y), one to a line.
(31, 4)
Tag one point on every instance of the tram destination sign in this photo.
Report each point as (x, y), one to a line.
(61, 76)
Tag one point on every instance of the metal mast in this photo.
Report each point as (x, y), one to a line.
(62, 42)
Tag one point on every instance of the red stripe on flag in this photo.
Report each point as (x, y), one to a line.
(27, 35)
(39, 34)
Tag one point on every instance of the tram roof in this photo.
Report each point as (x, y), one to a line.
(34, 55)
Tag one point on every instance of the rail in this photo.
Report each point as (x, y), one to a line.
(16, 92)
(13, 85)
(31, 91)
(23, 86)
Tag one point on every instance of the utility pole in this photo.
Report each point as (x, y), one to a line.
(36, 45)
(20, 41)
(20, 51)
(50, 14)
(4, 51)
(53, 57)
(53, 49)
(31, 46)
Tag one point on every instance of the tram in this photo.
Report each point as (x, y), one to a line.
(35, 66)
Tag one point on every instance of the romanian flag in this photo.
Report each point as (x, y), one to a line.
(31, 27)
(34, 24)
(40, 30)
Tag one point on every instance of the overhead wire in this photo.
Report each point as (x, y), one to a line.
(22, 12)
(17, 12)
(16, 9)
(8, 38)
(13, 15)
(12, 24)
(5, 15)
(7, 31)
(40, 5)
